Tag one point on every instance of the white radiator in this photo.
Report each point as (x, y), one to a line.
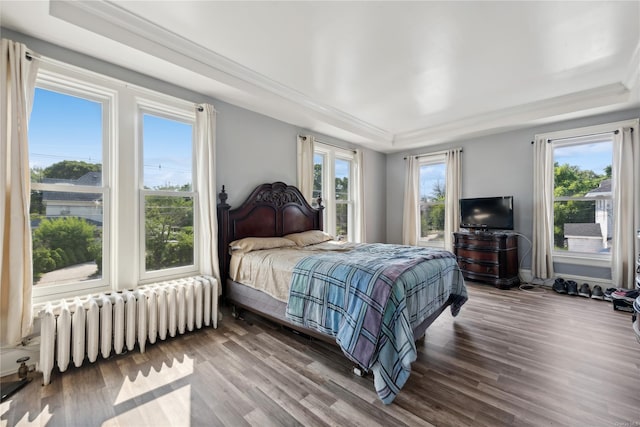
(79, 329)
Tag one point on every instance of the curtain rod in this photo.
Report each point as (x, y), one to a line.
(328, 143)
(615, 132)
(432, 154)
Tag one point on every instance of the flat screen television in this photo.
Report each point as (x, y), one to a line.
(488, 213)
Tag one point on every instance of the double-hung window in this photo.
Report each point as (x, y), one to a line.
(334, 170)
(432, 184)
(583, 199)
(70, 137)
(167, 196)
(113, 198)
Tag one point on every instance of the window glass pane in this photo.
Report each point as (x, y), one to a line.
(581, 169)
(342, 220)
(343, 171)
(65, 147)
(168, 232)
(66, 230)
(65, 139)
(318, 176)
(583, 172)
(432, 209)
(168, 156)
(432, 222)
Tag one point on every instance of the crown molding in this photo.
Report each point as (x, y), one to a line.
(110, 20)
(515, 117)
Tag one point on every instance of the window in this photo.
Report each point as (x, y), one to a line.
(101, 221)
(69, 185)
(333, 180)
(583, 198)
(167, 196)
(432, 185)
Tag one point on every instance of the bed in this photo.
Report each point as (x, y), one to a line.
(373, 300)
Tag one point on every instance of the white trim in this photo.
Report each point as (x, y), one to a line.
(588, 130)
(581, 258)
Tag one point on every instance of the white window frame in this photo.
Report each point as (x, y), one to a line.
(54, 79)
(331, 154)
(581, 136)
(425, 160)
(121, 179)
(146, 106)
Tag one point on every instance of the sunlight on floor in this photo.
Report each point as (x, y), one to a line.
(40, 420)
(165, 393)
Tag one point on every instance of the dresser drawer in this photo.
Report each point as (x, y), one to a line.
(479, 243)
(484, 269)
(491, 256)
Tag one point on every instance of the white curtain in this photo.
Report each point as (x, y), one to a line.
(206, 185)
(16, 278)
(360, 232)
(626, 208)
(411, 217)
(453, 192)
(541, 253)
(305, 166)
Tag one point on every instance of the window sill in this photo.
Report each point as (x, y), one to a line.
(590, 260)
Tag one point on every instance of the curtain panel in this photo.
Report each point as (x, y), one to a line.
(206, 185)
(453, 192)
(411, 211)
(542, 250)
(360, 233)
(626, 208)
(16, 277)
(305, 166)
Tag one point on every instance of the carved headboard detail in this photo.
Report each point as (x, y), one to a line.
(272, 210)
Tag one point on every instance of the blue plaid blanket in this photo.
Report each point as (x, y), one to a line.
(370, 299)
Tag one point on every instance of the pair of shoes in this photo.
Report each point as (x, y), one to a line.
(560, 286)
(608, 292)
(572, 288)
(626, 295)
(585, 290)
(597, 292)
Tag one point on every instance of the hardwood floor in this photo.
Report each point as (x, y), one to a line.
(510, 358)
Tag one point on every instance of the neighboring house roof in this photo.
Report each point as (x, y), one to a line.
(603, 188)
(90, 178)
(582, 230)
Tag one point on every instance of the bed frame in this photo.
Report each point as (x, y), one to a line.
(272, 210)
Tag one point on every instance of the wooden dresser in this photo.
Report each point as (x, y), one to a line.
(488, 257)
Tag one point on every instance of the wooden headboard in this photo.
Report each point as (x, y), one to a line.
(272, 210)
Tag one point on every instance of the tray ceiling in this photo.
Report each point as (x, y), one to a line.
(386, 75)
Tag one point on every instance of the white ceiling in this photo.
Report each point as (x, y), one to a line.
(387, 75)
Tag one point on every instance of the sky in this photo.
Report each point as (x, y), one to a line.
(63, 127)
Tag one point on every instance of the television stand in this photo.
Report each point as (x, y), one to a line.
(490, 257)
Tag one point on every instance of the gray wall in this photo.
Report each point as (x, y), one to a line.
(251, 148)
(496, 165)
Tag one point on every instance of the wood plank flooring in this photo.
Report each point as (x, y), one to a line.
(511, 358)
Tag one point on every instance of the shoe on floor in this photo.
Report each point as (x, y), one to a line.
(626, 295)
(585, 290)
(608, 292)
(560, 286)
(572, 287)
(597, 293)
